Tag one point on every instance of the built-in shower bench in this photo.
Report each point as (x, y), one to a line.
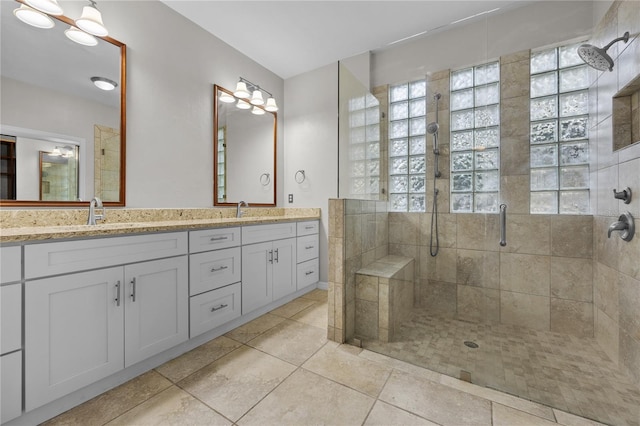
(384, 297)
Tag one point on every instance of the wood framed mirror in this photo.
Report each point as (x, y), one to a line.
(244, 152)
(48, 97)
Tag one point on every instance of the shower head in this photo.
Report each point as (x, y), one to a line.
(598, 58)
(432, 128)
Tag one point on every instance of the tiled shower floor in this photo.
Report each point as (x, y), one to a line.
(569, 373)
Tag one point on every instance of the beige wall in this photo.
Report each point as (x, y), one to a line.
(616, 272)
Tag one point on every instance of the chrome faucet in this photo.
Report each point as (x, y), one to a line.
(239, 212)
(95, 202)
(625, 224)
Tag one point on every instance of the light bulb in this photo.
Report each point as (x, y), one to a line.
(33, 17)
(80, 36)
(271, 105)
(256, 98)
(91, 22)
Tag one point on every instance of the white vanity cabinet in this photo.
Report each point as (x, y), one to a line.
(83, 326)
(10, 333)
(268, 264)
(214, 278)
(308, 250)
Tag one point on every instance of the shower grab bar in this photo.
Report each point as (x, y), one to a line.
(503, 225)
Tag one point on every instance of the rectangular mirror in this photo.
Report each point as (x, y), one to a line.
(48, 98)
(244, 152)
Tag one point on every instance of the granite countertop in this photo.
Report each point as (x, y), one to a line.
(18, 234)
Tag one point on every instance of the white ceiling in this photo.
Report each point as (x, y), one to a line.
(292, 37)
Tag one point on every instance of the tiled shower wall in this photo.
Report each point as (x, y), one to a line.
(358, 236)
(616, 272)
(540, 280)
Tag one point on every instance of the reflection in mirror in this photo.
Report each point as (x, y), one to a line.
(48, 97)
(244, 152)
(59, 174)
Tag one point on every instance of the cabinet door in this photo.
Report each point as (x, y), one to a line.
(156, 307)
(10, 386)
(284, 267)
(73, 333)
(257, 260)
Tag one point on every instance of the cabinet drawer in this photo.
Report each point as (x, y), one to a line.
(10, 264)
(213, 239)
(214, 308)
(308, 273)
(307, 248)
(11, 386)
(72, 256)
(308, 227)
(214, 269)
(11, 325)
(261, 233)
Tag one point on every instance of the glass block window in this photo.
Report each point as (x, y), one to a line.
(364, 147)
(559, 139)
(407, 146)
(475, 139)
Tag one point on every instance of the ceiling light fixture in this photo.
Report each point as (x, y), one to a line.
(80, 36)
(104, 83)
(33, 17)
(50, 7)
(91, 21)
(246, 89)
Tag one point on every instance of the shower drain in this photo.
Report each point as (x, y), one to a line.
(471, 344)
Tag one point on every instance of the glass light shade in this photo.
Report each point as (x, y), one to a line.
(56, 152)
(33, 17)
(104, 83)
(91, 22)
(243, 104)
(257, 111)
(271, 105)
(50, 7)
(241, 90)
(80, 36)
(256, 98)
(226, 98)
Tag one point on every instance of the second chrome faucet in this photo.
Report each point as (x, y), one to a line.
(239, 212)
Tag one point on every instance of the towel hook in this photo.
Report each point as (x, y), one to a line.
(300, 180)
(265, 179)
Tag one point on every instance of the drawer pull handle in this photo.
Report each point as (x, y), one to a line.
(219, 269)
(308, 272)
(117, 293)
(218, 238)
(217, 308)
(308, 247)
(309, 227)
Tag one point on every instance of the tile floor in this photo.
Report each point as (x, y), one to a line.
(569, 373)
(280, 370)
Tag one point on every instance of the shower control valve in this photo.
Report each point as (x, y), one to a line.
(624, 195)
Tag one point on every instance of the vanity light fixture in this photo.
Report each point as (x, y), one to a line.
(33, 17)
(226, 98)
(246, 89)
(243, 104)
(104, 83)
(241, 90)
(50, 7)
(80, 36)
(91, 21)
(257, 111)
